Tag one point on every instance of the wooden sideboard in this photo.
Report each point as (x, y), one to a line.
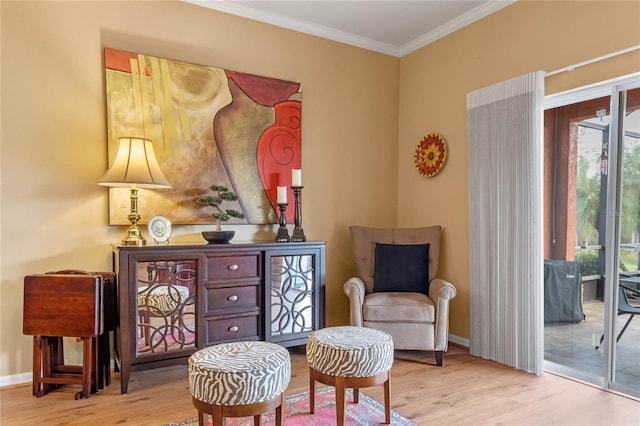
(175, 299)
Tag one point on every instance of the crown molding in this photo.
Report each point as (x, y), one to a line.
(454, 25)
(468, 18)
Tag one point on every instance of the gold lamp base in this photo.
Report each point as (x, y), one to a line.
(134, 237)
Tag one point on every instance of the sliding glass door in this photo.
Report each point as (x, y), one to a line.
(624, 335)
(592, 220)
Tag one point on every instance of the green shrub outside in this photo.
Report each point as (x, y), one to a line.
(589, 260)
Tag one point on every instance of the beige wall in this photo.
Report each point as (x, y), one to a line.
(54, 215)
(363, 115)
(524, 37)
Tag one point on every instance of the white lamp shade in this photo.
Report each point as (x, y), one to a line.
(135, 164)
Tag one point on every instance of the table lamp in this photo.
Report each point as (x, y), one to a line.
(134, 166)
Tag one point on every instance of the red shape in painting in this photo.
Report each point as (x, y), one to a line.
(279, 151)
(120, 60)
(263, 90)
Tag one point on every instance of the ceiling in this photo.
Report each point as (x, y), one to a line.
(394, 27)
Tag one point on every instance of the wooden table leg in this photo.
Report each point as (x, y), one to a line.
(57, 350)
(37, 365)
(104, 361)
(95, 367)
(87, 364)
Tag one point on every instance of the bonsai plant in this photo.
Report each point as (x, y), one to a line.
(220, 215)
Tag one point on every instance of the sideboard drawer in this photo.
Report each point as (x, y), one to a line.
(233, 267)
(231, 299)
(228, 329)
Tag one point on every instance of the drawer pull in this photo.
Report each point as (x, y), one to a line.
(233, 267)
(232, 298)
(233, 328)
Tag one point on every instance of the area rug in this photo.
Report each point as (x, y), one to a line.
(366, 412)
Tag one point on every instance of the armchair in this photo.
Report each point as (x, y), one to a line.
(415, 320)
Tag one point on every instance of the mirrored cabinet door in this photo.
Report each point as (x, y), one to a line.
(165, 310)
(293, 299)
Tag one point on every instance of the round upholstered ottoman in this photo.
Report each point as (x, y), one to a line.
(349, 357)
(239, 379)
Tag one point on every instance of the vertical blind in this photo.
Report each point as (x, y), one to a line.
(505, 146)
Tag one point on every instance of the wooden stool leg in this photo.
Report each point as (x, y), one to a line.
(218, 420)
(201, 418)
(279, 409)
(387, 403)
(356, 396)
(340, 400)
(312, 395)
(257, 420)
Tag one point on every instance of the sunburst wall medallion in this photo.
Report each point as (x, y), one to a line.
(430, 155)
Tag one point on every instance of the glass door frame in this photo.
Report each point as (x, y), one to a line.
(614, 88)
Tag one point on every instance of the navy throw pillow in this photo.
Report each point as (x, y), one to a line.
(401, 267)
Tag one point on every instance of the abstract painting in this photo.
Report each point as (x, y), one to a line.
(208, 126)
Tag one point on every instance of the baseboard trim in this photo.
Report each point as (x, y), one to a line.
(460, 341)
(15, 379)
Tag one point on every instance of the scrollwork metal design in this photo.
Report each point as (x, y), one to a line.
(291, 294)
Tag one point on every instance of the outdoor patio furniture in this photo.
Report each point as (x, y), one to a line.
(625, 308)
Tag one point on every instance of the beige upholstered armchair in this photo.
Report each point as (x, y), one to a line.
(398, 292)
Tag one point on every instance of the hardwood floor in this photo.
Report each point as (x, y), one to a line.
(465, 391)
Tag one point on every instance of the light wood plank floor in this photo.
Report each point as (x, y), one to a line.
(466, 391)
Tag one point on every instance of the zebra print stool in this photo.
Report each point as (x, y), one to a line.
(349, 357)
(239, 379)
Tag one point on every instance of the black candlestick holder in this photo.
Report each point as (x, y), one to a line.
(283, 232)
(298, 232)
